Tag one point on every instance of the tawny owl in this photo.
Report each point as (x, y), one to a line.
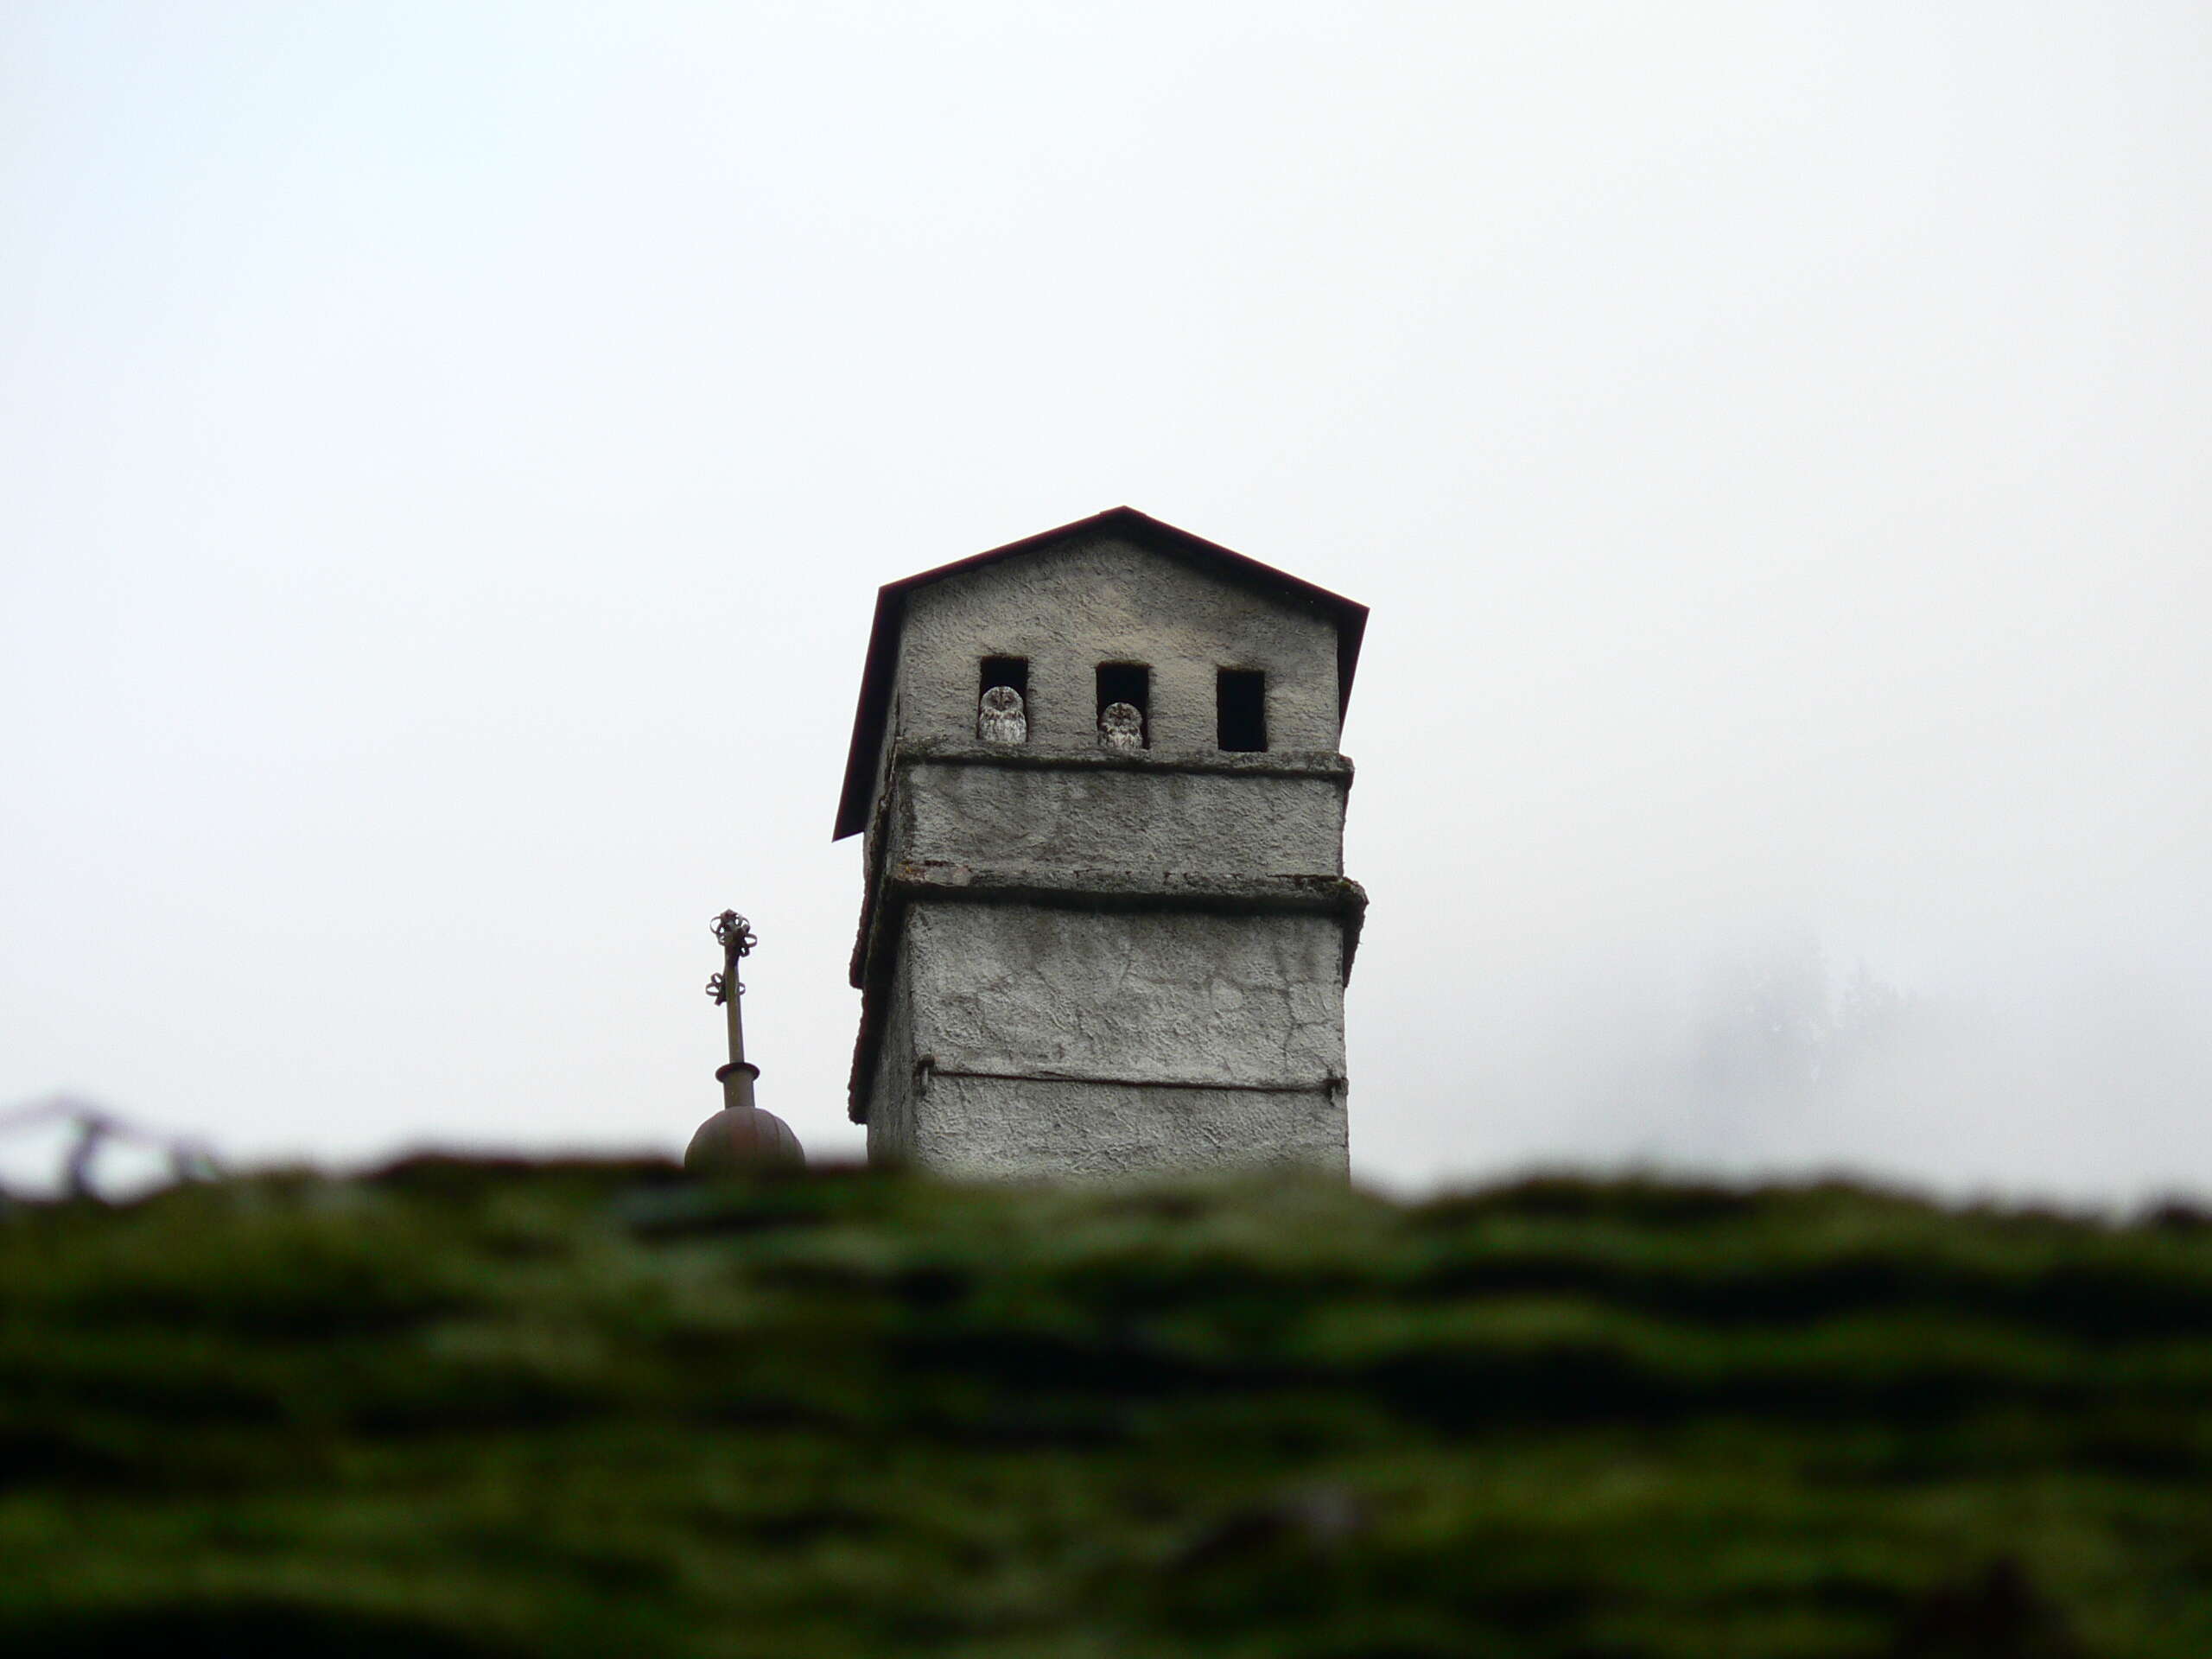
(999, 718)
(1120, 727)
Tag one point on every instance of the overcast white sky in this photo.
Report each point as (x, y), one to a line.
(448, 453)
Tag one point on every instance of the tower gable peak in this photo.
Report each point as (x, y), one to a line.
(871, 719)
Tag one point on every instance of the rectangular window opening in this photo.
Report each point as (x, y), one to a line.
(1129, 682)
(1012, 671)
(1241, 710)
(1000, 725)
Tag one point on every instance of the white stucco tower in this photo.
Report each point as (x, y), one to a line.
(1106, 928)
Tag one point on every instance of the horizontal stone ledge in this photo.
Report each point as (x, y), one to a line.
(1125, 889)
(927, 1071)
(1268, 763)
(1103, 890)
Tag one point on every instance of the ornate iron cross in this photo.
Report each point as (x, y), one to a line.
(735, 936)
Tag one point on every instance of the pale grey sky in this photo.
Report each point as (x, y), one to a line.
(448, 453)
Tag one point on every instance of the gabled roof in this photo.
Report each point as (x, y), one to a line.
(1128, 523)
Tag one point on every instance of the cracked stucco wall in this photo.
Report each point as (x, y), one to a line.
(982, 1129)
(1154, 995)
(1038, 1028)
(1145, 815)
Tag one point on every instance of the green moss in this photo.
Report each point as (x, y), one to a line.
(502, 1408)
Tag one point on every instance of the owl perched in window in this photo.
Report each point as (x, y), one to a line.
(1120, 727)
(999, 718)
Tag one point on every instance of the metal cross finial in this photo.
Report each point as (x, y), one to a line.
(735, 936)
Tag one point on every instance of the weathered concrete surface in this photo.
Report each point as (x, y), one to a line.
(983, 1129)
(1153, 995)
(1070, 607)
(1264, 813)
(883, 1068)
(1099, 892)
(1190, 1037)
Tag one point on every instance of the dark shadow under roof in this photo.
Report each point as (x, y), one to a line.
(1129, 525)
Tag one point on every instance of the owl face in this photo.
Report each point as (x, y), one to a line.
(999, 718)
(1120, 727)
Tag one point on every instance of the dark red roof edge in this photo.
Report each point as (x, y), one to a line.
(868, 719)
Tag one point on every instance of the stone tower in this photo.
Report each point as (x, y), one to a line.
(1106, 927)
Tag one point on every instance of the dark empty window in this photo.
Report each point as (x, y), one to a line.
(1241, 710)
(1129, 682)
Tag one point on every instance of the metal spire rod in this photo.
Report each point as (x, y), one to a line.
(735, 936)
